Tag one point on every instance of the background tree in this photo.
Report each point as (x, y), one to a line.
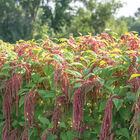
(17, 18)
(137, 14)
(117, 25)
(93, 16)
(27, 19)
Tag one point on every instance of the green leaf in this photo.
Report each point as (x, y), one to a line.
(62, 124)
(35, 77)
(77, 64)
(21, 101)
(50, 125)
(29, 59)
(46, 94)
(118, 103)
(7, 67)
(77, 85)
(131, 96)
(86, 71)
(30, 85)
(124, 113)
(48, 69)
(101, 81)
(67, 55)
(22, 91)
(1, 124)
(74, 73)
(97, 70)
(4, 74)
(42, 79)
(22, 123)
(35, 51)
(30, 132)
(14, 123)
(20, 70)
(87, 76)
(44, 120)
(123, 132)
(58, 58)
(69, 135)
(52, 137)
(111, 81)
(102, 105)
(63, 136)
(86, 134)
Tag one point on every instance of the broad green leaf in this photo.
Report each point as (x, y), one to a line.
(2, 74)
(68, 55)
(123, 132)
(30, 85)
(48, 69)
(58, 58)
(44, 120)
(50, 125)
(7, 67)
(30, 132)
(111, 81)
(101, 81)
(63, 136)
(42, 79)
(118, 103)
(102, 105)
(87, 76)
(20, 70)
(87, 134)
(86, 71)
(69, 135)
(21, 101)
(74, 73)
(77, 64)
(77, 85)
(124, 113)
(131, 96)
(97, 70)
(35, 51)
(62, 124)
(29, 59)
(46, 94)
(22, 123)
(22, 91)
(52, 137)
(14, 123)
(35, 77)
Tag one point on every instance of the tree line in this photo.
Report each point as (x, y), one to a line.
(27, 19)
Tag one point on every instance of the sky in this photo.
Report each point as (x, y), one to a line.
(129, 8)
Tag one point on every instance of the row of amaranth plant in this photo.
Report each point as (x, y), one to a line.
(78, 88)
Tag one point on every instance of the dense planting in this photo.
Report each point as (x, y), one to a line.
(87, 88)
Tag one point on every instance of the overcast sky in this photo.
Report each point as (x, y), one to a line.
(129, 8)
